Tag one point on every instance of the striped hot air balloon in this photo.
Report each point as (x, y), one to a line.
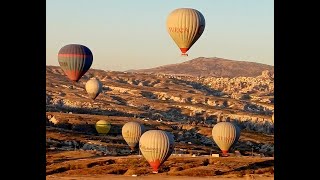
(131, 133)
(225, 134)
(75, 60)
(156, 146)
(93, 88)
(185, 26)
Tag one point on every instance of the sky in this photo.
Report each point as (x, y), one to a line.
(127, 34)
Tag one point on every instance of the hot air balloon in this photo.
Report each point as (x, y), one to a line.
(225, 134)
(93, 88)
(272, 117)
(75, 60)
(131, 133)
(185, 26)
(103, 127)
(156, 146)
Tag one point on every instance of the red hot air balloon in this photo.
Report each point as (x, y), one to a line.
(75, 60)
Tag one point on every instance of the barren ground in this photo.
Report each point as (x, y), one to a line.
(84, 164)
(186, 108)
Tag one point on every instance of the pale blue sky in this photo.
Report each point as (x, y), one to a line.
(127, 34)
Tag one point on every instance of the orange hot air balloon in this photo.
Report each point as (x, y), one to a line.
(185, 26)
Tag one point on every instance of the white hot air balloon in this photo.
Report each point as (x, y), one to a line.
(185, 26)
(156, 146)
(225, 134)
(93, 88)
(131, 133)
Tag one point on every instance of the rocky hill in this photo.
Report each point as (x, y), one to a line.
(211, 67)
(190, 100)
(188, 105)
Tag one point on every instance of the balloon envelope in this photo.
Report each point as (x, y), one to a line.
(103, 127)
(225, 134)
(93, 88)
(156, 146)
(75, 60)
(131, 133)
(185, 26)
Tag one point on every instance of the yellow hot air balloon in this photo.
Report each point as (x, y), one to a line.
(103, 127)
(93, 88)
(225, 134)
(131, 133)
(185, 26)
(272, 118)
(156, 146)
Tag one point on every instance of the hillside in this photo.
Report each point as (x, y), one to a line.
(187, 107)
(214, 67)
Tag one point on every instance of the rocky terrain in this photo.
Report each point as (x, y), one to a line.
(211, 67)
(187, 106)
(86, 165)
(187, 100)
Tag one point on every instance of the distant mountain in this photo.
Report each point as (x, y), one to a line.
(216, 67)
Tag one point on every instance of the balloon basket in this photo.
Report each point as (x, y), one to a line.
(184, 54)
(155, 172)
